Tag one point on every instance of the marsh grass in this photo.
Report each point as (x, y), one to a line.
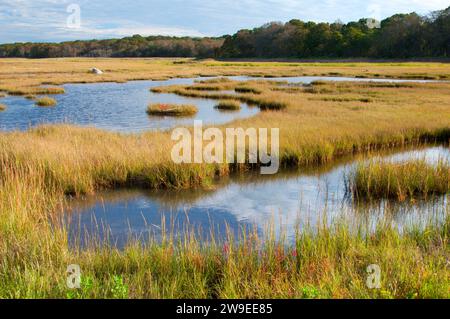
(45, 101)
(161, 109)
(321, 262)
(220, 80)
(26, 76)
(36, 91)
(400, 181)
(228, 105)
(40, 166)
(247, 89)
(344, 99)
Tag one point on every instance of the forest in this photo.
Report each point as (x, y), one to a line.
(134, 46)
(399, 36)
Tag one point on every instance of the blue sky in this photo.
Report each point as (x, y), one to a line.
(46, 20)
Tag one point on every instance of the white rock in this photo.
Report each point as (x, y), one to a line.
(96, 71)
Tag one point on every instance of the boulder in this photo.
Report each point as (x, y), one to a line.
(96, 71)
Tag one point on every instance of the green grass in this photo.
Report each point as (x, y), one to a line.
(405, 180)
(228, 105)
(330, 262)
(160, 109)
(45, 101)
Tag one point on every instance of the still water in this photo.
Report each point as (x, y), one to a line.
(121, 107)
(288, 200)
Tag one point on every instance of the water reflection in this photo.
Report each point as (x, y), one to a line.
(117, 107)
(288, 200)
(121, 106)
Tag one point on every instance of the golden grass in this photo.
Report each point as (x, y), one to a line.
(228, 105)
(39, 166)
(247, 89)
(24, 76)
(45, 101)
(160, 109)
(311, 132)
(34, 90)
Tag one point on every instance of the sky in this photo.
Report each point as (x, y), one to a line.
(61, 20)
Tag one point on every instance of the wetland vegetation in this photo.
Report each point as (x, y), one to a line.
(45, 101)
(171, 110)
(319, 123)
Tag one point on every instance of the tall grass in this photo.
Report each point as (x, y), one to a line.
(40, 166)
(383, 179)
(35, 90)
(325, 262)
(45, 101)
(171, 110)
(228, 105)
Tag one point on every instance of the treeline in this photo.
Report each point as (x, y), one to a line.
(135, 46)
(400, 36)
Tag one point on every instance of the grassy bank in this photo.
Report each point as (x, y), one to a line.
(330, 262)
(405, 180)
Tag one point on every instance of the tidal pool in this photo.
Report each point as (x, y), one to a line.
(288, 200)
(121, 107)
